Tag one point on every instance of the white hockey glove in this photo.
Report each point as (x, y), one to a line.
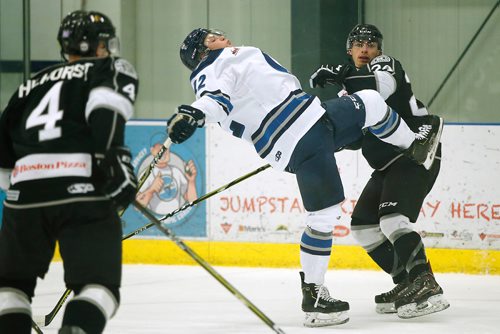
(121, 182)
(183, 124)
(326, 75)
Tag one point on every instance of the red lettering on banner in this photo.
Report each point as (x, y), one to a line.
(347, 206)
(434, 207)
(296, 205)
(455, 211)
(467, 211)
(481, 212)
(260, 204)
(248, 205)
(475, 211)
(495, 211)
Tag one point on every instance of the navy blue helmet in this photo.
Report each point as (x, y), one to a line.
(81, 31)
(193, 49)
(364, 32)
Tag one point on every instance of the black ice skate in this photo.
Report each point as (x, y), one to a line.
(321, 309)
(423, 296)
(385, 301)
(423, 149)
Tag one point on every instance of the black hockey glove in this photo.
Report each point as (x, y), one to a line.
(182, 125)
(326, 75)
(121, 182)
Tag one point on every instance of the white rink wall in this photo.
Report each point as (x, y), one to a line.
(461, 212)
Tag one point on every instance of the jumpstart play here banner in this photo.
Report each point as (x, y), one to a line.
(462, 211)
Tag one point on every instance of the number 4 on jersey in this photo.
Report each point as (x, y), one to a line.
(50, 102)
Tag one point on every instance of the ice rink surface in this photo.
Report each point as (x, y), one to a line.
(187, 299)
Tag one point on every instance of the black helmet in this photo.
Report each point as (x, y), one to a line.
(193, 48)
(364, 32)
(81, 31)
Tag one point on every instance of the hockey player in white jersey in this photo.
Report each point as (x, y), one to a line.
(255, 98)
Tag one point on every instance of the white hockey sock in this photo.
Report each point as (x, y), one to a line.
(393, 129)
(314, 267)
(384, 122)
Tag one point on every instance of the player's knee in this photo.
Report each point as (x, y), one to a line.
(13, 300)
(394, 226)
(90, 309)
(27, 286)
(368, 236)
(102, 297)
(324, 220)
(375, 106)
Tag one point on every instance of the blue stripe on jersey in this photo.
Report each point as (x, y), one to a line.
(274, 64)
(212, 56)
(386, 126)
(316, 243)
(278, 120)
(222, 99)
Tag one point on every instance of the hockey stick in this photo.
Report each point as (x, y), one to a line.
(35, 327)
(207, 267)
(47, 319)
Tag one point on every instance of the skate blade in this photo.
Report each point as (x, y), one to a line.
(435, 142)
(316, 319)
(385, 308)
(434, 304)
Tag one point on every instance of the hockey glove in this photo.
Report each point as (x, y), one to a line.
(182, 125)
(121, 185)
(326, 75)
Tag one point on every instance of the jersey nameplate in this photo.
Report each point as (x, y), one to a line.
(380, 59)
(61, 73)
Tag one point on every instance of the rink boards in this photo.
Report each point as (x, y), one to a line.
(259, 222)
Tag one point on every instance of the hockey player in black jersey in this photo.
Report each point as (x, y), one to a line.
(66, 173)
(392, 198)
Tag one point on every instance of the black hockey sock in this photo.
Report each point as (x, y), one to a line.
(84, 315)
(411, 251)
(387, 259)
(15, 323)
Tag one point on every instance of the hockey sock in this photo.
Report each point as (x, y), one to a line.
(315, 250)
(84, 315)
(393, 129)
(15, 323)
(387, 259)
(15, 311)
(411, 251)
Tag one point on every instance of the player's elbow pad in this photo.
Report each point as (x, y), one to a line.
(386, 84)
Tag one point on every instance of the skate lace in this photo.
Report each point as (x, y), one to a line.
(423, 131)
(323, 293)
(397, 289)
(413, 288)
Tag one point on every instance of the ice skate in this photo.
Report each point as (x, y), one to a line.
(423, 296)
(423, 149)
(385, 301)
(321, 309)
